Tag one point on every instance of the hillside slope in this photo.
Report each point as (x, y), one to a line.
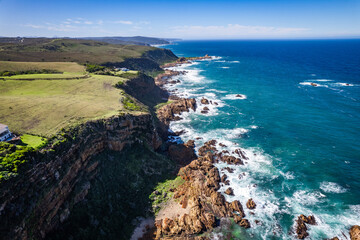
(80, 51)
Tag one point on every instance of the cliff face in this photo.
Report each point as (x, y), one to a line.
(43, 197)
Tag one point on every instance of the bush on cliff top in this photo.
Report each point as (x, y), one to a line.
(11, 159)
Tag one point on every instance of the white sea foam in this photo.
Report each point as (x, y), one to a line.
(331, 187)
(225, 67)
(235, 61)
(235, 97)
(221, 61)
(257, 171)
(254, 127)
(343, 84)
(322, 80)
(288, 175)
(307, 197)
(312, 84)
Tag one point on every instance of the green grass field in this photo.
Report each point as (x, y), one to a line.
(43, 107)
(70, 67)
(32, 140)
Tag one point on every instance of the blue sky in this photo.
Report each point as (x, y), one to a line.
(182, 19)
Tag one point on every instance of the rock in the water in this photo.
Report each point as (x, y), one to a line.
(355, 232)
(250, 204)
(206, 109)
(204, 101)
(229, 191)
(244, 223)
(301, 229)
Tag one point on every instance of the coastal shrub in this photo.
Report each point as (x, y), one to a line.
(163, 192)
(42, 71)
(94, 68)
(12, 157)
(119, 84)
(130, 104)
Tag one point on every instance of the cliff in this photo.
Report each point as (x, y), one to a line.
(43, 197)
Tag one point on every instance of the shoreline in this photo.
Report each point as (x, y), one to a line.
(299, 226)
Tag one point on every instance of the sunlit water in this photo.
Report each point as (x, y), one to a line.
(302, 139)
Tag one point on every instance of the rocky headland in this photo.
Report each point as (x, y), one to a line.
(94, 180)
(197, 207)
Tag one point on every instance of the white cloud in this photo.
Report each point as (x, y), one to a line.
(235, 30)
(88, 22)
(123, 22)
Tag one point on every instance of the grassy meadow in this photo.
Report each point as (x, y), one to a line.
(42, 107)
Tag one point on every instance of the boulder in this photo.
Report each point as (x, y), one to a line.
(206, 109)
(250, 204)
(229, 191)
(204, 101)
(244, 223)
(301, 229)
(355, 232)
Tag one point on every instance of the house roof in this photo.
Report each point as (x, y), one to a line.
(3, 126)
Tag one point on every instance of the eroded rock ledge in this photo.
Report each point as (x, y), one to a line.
(200, 197)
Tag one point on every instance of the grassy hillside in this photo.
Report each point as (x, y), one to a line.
(43, 107)
(59, 66)
(72, 50)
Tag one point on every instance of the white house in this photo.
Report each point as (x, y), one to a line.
(4, 132)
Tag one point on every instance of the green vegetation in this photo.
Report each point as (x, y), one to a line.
(94, 68)
(42, 107)
(11, 158)
(160, 105)
(70, 50)
(12, 73)
(163, 193)
(130, 104)
(55, 66)
(33, 141)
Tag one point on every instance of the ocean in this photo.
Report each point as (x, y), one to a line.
(298, 120)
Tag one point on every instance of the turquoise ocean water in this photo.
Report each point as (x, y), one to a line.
(303, 141)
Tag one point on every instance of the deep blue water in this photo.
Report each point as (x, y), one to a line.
(302, 140)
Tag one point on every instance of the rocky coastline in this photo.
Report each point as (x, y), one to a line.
(203, 206)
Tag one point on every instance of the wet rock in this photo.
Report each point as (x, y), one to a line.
(231, 160)
(355, 232)
(223, 178)
(301, 228)
(250, 204)
(167, 113)
(204, 101)
(230, 170)
(229, 191)
(206, 109)
(244, 223)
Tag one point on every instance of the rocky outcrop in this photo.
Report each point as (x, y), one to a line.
(301, 229)
(184, 60)
(182, 154)
(42, 198)
(250, 204)
(355, 232)
(204, 101)
(205, 203)
(168, 112)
